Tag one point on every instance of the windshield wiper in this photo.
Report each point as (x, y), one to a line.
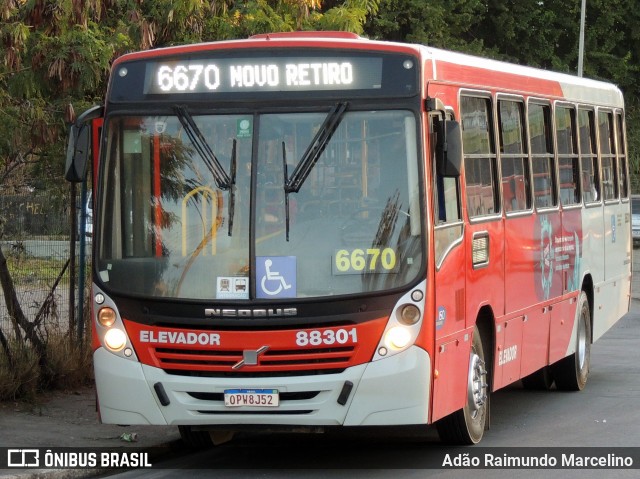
(232, 187)
(311, 155)
(199, 142)
(220, 176)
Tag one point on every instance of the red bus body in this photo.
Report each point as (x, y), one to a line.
(517, 278)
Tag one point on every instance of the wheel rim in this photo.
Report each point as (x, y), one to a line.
(477, 385)
(582, 342)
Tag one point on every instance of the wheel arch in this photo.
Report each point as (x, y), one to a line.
(486, 324)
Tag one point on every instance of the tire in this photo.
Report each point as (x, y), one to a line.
(467, 425)
(541, 380)
(572, 372)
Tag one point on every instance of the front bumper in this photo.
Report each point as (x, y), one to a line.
(391, 391)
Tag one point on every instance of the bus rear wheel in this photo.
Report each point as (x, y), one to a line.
(571, 373)
(466, 426)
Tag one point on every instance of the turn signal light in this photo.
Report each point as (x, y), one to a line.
(409, 315)
(106, 317)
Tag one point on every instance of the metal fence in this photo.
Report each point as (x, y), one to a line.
(35, 233)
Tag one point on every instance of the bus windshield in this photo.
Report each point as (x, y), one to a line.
(172, 184)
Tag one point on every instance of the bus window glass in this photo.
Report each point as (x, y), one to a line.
(567, 155)
(514, 162)
(607, 153)
(446, 196)
(622, 158)
(170, 214)
(175, 227)
(479, 156)
(354, 224)
(588, 156)
(540, 133)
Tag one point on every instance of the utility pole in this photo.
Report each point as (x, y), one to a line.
(581, 44)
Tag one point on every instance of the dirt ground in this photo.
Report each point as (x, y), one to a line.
(69, 419)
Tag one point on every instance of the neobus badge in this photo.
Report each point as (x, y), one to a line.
(250, 313)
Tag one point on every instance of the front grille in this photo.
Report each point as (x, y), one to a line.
(272, 361)
(252, 374)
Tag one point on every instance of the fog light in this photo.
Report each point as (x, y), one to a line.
(115, 339)
(409, 314)
(106, 317)
(398, 337)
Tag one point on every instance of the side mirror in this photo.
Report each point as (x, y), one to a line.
(77, 153)
(79, 146)
(449, 149)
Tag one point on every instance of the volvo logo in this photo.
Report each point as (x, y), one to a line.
(249, 357)
(250, 313)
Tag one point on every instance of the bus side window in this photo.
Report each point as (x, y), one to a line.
(513, 156)
(446, 197)
(479, 157)
(588, 156)
(622, 158)
(608, 155)
(447, 190)
(568, 164)
(543, 164)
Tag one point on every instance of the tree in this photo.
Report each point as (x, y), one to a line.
(58, 52)
(538, 33)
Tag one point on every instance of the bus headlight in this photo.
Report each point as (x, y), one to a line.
(404, 324)
(115, 339)
(109, 327)
(398, 337)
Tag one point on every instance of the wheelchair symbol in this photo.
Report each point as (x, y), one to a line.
(273, 277)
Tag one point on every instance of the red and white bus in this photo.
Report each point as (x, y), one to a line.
(312, 229)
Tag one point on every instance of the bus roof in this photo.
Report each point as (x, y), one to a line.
(440, 65)
(479, 72)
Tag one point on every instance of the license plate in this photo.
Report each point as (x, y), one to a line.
(251, 397)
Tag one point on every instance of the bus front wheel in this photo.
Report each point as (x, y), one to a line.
(467, 425)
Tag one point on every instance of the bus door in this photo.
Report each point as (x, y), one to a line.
(448, 253)
(617, 247)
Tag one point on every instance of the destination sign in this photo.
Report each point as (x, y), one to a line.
(258, 74)
(226, 75)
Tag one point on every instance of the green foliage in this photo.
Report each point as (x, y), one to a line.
(448, 24)
(58, 52)
(538, 33)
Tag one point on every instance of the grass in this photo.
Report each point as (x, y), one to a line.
(66, 361)
(23, 267)
(19, 379)
(66, 365)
